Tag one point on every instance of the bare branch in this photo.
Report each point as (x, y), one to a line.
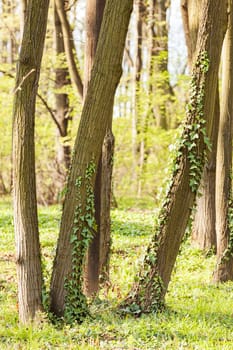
(19, 87)
(50, 112)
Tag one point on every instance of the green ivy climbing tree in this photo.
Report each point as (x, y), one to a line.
(152, 281)
(77, 224)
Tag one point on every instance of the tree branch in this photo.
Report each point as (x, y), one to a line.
(69, 47)
(50, 112)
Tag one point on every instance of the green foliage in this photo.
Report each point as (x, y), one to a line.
(76, 308)
(195, 317)
(195, 129)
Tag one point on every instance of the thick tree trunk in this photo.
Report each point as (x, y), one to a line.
(203, 231)
(224, 207)
(94, 15)
(24, 184)
(152, 282)
(78, 224)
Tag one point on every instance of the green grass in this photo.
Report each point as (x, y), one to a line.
(199, 315)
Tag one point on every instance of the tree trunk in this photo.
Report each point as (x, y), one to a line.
(191, 12)
(159, 76)
(94, 16)
(224, 207)
(23, 7)
(69, 47)
(106, 199)
(78, 224)
(24, 183)
(62, 102)
(203, 230)
(152, 281)
(138, 115)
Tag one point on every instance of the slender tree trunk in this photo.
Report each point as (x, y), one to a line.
(78, 224)
(152, 281)
(224, 207)
(106, 200)
(203, 231)
(69, 47)
(3, 189)
(159, 60)
(23, 7)
(138, 117)
(61, 101)
(24, 183)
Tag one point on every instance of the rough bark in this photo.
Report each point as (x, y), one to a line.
(203, 230)
(94, 16)
(24, 182)
(78, 213)
(224, 208)
(69, 47)
(152, 281)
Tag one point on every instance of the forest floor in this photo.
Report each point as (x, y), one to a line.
(198, 314)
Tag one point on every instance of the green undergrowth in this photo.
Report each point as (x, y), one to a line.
(199, 314)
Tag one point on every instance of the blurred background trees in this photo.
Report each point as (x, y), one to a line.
(148, 107)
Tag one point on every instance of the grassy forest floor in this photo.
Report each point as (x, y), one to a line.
(199, 315)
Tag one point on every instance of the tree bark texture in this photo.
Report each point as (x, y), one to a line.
(203, 230)
(152, 281)
(24, 182)
(94, 16)
(78, 213)
(204, 221)
(224, 268)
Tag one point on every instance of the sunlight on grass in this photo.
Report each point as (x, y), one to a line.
(199, 314)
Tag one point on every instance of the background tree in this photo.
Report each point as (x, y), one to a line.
(24, 183)
(69, 46)
(61, 98)
(224, 268)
